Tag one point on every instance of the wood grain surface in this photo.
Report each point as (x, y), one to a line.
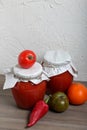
(13, 118)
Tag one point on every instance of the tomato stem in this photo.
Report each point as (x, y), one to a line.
(47, 100)
(30, 57)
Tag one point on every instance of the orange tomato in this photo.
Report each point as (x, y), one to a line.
(86, 93)
(77, 93)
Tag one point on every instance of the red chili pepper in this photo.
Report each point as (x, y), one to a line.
(40, 109)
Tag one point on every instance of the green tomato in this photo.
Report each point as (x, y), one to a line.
(58, 102)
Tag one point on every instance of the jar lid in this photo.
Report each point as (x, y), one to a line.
(30, 73)
(57, 57)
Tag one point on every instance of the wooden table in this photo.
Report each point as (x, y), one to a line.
(13, 118)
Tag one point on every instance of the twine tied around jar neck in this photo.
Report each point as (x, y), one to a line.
(50, 65)
(27, 79)
(55, 69)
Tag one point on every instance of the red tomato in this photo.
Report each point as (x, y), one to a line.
(26, 58)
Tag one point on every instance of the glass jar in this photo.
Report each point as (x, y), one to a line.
(29, 85)
(26, 94)
(57, 65)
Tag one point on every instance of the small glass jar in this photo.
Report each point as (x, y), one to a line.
(29, 85)
(57, 65)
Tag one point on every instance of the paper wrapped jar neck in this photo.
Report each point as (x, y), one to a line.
(30, 73)
(57, 62)
(35, 75)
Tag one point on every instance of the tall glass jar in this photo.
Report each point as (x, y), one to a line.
(58, 66)
(29, 85)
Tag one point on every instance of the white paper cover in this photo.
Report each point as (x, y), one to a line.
(57, 57)
(15, 74)
(58, 62)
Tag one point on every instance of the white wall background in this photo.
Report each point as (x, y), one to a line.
(41, 25)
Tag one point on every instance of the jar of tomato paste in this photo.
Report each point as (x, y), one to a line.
(58, 66)
(27, 85)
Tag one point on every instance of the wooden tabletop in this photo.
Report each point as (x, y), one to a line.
(13, 118)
